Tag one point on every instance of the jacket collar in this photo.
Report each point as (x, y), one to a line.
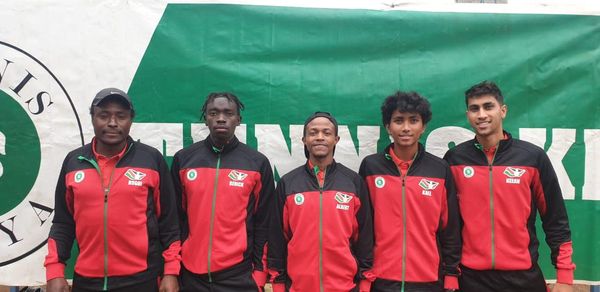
(232, 144)
(502, 146)
(88, 152)
(328, 171)
(418, 157)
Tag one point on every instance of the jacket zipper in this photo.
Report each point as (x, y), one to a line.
(491, 190)
(106, 191)
(404, 231)
(316, 170)
(492, 209)
(105, 212)
(212, 213)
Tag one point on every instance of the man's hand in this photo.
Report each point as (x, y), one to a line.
(169, 284)
(58, 285)
(560, 287)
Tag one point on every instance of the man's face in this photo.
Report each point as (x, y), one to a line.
(320, 138)
(111, 121)
(405, 128)
(485, 114)
(222, 119)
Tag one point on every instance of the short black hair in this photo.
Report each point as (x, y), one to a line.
(230, 96)
(482, 88)
(113, 98)
(405, 102)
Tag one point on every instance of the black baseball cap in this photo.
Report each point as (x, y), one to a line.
(320, 115)
(112, 93)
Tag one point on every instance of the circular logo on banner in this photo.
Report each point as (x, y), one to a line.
(299, 199)
(39, 126)
(192, 174)
(379, 182)
(468, 172)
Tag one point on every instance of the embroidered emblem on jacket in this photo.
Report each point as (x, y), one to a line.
(299, 199)
(468, 172)
(379, 182)
(192, 174)
(343, 199)
(79, 176)
(513, 174)
(428, 186)
(135, 177)
(236, 178)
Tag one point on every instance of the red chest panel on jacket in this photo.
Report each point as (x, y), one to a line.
(126, 218)
(425, 210)
(495, 205)
(235, 189)
(302, 216)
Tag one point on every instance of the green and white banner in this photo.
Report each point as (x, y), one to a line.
(285, 60)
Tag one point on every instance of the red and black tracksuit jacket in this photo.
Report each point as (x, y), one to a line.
(127, 231)
(321, 236)
(224, 196)
(416, 220)
(498, 203)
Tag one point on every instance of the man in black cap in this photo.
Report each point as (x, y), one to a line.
(115, 197)
(321, 235)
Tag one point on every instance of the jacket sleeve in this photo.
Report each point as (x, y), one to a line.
(62, 232)
(363, 246)
(448, 155)
(277, 251)
(168, 221)
(261, 216)
(180, 201)
(555, 222)
(450, 234)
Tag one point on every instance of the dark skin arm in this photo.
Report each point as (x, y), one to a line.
(169, 284)
(58, 285)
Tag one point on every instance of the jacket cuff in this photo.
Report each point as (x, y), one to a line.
(564, 263)
(369, 275)
(364, 285)
(172, 268)
(172, 259)
(278, 287)
(564, 276)
(450, 282)
(55, 270)
(260, 277)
